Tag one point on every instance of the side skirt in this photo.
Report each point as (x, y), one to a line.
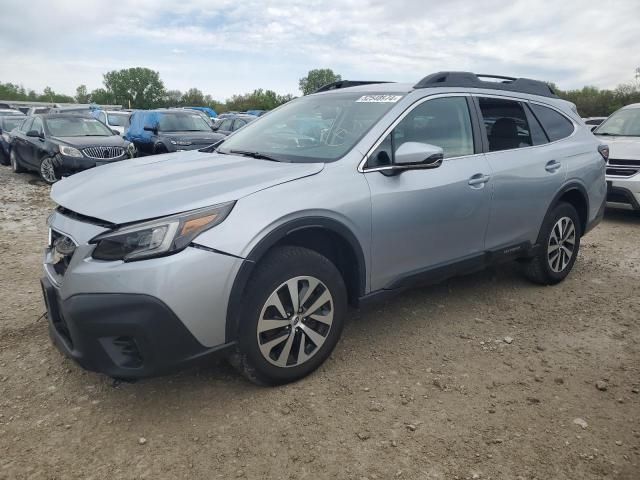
(438, 273)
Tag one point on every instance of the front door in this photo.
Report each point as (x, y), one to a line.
(426, 219)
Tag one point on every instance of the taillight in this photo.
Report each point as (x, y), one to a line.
(604, 151)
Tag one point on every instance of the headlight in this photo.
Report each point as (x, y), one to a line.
(155, 238)
(131, 150)
(180, 142)
(69, 151)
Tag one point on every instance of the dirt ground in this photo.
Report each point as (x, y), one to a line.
(485, 376)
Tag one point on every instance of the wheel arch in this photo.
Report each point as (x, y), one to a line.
(325, 235)
(575, 194)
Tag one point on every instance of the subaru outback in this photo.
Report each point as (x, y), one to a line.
(256, 246)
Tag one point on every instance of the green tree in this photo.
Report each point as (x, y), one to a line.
(135, 87)
(316, 79)
(173, 98)
(193, 97)
(101, 97)
(82, 96)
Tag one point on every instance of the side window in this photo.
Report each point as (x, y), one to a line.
(506, 124)
(239, 124)
(444, 122)
(556, 125)
(37, 125)
(226, 125)
(26, 126)
(538, 137)
(102, 117)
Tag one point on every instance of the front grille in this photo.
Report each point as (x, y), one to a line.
(622, 168)
(104, 153)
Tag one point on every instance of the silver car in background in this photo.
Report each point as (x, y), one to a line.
(256, 246)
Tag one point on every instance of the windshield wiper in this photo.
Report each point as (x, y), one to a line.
(258, 155)
(608, 134)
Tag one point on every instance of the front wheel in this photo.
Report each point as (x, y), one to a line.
(295, 305)
(558, 245)
(48, 170)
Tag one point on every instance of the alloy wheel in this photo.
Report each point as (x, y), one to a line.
(562, 244)
(295, 321)
(48, 171)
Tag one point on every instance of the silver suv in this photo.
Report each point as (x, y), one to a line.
(256, 246)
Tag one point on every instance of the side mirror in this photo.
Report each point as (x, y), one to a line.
(215, 127)
(34, 133)
(411, 155)
(151, 128)
(115, 132)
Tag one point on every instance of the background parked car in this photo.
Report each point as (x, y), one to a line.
(593, 122)
(169, 130)
(257, 113)
(55, 145)
(7, 124)
(621, 132)
(37, 110)
(117, 120)
(10, 111)
(211, 113)
(232, 123)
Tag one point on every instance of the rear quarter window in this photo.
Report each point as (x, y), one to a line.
(556, 125)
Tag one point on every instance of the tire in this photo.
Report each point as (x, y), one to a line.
(15, 163)
(4, 160)
(556, 255)
(260, 354)
(47, 170)
(160, 149)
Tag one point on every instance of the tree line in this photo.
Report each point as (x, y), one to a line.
(143, 88)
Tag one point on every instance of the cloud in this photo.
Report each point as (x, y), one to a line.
(226, 47)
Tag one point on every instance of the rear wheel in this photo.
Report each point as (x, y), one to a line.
(48, 170)
(15, 163)
(295, 305)
(158, 149)
(4, 159)
(559, 242)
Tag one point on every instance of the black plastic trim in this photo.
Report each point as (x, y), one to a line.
(472, 80)
(244, 273)
(85, 327)
(443, 271)
(567, 188)
(346, 84)
(631, 200)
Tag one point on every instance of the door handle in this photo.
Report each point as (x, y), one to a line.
(552, 166)
(479, 179)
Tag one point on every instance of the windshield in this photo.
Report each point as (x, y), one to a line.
(9, 123)
(182, 122)
(117, 119)
(317, 128)
(77, 127)
(622, 123)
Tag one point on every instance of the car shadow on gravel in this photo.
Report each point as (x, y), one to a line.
(413, 308)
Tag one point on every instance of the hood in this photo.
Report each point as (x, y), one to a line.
(160, 185)
(196, 138)
(622, 148)
(83, 142)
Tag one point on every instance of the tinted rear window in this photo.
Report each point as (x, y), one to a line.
(556, 126)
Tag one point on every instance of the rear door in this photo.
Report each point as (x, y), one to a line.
(527, 170)
(424, 220)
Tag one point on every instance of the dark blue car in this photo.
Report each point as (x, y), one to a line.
(169, 130)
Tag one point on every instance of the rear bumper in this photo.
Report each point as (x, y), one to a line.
(122, 335)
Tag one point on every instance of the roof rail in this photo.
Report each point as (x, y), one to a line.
(346, 84)
(472, 80)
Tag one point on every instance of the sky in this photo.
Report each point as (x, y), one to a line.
(228, 47)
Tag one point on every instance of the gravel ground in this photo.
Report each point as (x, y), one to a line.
(485, 376)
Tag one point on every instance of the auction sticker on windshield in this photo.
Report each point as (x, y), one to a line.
(379, 98)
